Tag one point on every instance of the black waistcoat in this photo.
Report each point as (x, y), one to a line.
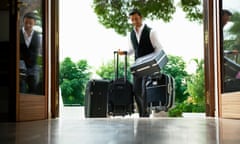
(144, 46)
(29, 54)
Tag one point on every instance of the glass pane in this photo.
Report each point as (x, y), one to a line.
(230, 18)
(31, 47)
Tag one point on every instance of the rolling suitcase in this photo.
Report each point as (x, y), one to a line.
(231, 72)
(231, 67)
(120, 93)
(160, 92)
(96, 98)
(149, 64)
(232, 85)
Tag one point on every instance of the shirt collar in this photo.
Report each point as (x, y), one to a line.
(141, 28)
(24, 32)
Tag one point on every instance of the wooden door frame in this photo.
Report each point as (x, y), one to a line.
(54, 74)
(12, 99)
(29, 106)
(212, 82)
(209, 58)
(228, 102)
(219, 55)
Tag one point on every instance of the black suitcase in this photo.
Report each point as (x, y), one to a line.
(232, 85)
(231, 68)
(160, 92)
(96, 98)
(149, 64)
(120, 93)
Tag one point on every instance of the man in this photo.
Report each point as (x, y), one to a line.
(143, 40)
(29, 49)
(226, 15)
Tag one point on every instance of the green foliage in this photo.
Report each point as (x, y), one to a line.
(106, 71)
(190, 107)
(176, 111)
(185, 107)
(195, 102)
(73, 79)
(192, 8)
(235, 28)
(176, 67)
(114, 14)
(195, 84)
(232, 39)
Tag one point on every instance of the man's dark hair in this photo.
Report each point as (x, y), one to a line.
(135, 11)
(30, 15)
(225, 11)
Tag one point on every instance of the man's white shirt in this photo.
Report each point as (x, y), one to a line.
(153, 38)
(27, 38)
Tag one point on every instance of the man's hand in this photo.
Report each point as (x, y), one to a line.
(235, 51)
(122, 52)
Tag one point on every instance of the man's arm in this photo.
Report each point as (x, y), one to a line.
(155, 41)
(130, 46)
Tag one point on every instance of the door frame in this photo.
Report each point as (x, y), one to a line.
(29, 106)
(54, 74)
(228, 102)
(209, 60)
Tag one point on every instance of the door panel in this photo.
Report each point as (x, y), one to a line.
(230, 63)
(4, 59)
(230, 45)
(32, 108)
(31, 48)
(32, 89)
(54, 58)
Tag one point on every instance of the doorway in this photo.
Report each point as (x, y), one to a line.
(83, 48)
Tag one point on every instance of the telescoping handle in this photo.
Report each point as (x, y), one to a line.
(116, 63)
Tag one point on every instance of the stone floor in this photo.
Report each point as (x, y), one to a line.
(73, 128)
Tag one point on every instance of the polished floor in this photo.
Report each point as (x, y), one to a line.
(72, 129)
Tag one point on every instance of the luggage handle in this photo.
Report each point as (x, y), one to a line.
(116, 62)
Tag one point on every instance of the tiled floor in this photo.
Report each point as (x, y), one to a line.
(122, 130)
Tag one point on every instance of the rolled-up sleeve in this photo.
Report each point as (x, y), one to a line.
(155, 41)
(130, 46)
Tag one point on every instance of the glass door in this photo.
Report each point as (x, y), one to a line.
(230, 45)
(230, 59)
(32, 51)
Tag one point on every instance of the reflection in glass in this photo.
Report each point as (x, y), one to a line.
(31, 66)
(230, 37)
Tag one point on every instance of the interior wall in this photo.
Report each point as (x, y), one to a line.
(4, 34)
(4, 45)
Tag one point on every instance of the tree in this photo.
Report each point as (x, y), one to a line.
(193, 97)
(73, 79)
(114, 13)
(176, 67)
(195, 84)
(106, 71)
(232, 41)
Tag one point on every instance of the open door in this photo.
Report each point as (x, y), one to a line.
(229, 53)
(31, 60)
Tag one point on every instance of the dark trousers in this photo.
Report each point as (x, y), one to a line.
(28, 84)
(140, 95)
